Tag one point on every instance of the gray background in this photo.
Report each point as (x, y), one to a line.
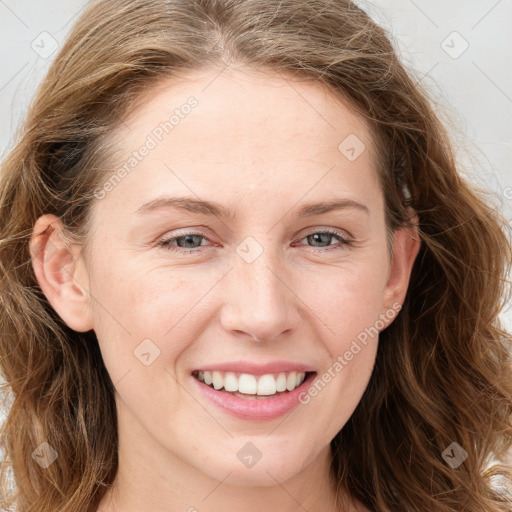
(468, 72)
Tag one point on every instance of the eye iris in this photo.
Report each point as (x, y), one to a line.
(326, 236)
(188, 237)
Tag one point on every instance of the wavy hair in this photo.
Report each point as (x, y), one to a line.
(443, 367)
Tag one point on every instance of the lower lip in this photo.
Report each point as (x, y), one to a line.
(255, 409)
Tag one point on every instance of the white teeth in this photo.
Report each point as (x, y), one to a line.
(267, 385)
(248, 384)
(291, 381)
(217, 379)
(281, 382)
(230, 382)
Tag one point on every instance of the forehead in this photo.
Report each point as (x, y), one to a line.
(261, 108)
(248, 130)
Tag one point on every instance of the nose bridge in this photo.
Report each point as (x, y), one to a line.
(259, 302)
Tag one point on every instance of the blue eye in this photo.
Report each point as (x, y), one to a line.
(191, 238)
(329, 234)
(168, 243)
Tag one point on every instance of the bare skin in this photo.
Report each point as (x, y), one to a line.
(262, 146)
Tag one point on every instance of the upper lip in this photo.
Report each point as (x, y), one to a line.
(257, 369)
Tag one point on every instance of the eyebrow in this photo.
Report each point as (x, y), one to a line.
(193, 205)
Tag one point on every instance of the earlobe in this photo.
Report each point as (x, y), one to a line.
(60, 272)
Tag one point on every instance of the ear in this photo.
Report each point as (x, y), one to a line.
(406, 246)
(61, 273)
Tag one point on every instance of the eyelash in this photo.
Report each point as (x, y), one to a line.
(166, 243)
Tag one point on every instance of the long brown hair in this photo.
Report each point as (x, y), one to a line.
(443, 369)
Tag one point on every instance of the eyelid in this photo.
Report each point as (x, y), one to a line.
(338, 231)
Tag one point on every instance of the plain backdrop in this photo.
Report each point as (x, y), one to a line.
(459, 50)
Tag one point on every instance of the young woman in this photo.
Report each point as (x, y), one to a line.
(239, 270)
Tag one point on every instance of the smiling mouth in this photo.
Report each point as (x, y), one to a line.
(246, 385)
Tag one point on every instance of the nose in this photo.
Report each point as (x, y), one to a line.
(259, 302)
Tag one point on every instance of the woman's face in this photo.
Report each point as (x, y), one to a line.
(256, 285)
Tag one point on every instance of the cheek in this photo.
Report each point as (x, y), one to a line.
(147, 318)
(348, 308)
(347, 304)
(345, 300)
(137, 300)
